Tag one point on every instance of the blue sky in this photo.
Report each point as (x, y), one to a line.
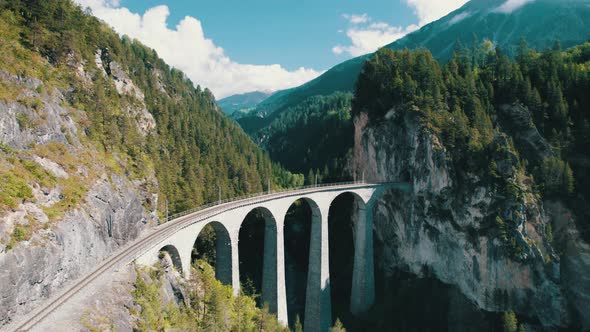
(232, 46)
(291, 33)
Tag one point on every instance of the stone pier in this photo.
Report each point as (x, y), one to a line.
(223, 259)
(363, 280)
(273, 275)
(318, 305)
(235, 263)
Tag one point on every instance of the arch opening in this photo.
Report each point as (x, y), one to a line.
(342, 218)
(213, 245)
(257, 246)
(172, 252)
(297, 236)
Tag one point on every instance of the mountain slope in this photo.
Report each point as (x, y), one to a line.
(339, 78)
(540, 23)
(98, 138)
(497, 156)
(246, 101)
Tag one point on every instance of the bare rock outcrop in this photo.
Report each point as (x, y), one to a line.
(491, 248)
(40, 132)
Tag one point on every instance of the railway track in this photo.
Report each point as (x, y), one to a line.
(136, 248)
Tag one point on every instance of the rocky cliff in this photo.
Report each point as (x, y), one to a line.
(98, 134)
(492, 251)
(77, 206)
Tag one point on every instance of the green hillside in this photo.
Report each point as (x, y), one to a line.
(242, 102)
(193, 148)
(538, 105)
(322, 128)
(540, 23)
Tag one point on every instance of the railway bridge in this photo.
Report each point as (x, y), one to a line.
(228, 221)
(178, 237)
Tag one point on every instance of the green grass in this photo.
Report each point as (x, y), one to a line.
(19, 234)
(31, 102)
(13, 190)
(6, 149)
(41, 175)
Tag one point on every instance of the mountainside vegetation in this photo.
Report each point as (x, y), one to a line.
(207, 305)
(540, 23)
(315, 136)
(134, 113)
(538, 102)
(242, 103)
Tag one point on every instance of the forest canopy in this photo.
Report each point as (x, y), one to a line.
(195, 151)
(472, 100)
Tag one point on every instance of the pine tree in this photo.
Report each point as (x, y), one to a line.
(509, 322)
(338, 327)
(310, 178)
(298, 326)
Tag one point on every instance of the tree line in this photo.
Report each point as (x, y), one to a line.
(461, 101)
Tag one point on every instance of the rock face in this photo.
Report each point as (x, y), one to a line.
(444, 227)
(21, 124)
(35, 269)
(143, 118)
(113, 209)
(575, 263)
(517, 120)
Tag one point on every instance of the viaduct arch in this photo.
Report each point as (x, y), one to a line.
(227, 223)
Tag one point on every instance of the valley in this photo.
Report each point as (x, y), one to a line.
(438, 183)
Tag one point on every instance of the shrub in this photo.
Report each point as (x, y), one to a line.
(19, 234)
(509, 322)
(556, 177)
(13, 190)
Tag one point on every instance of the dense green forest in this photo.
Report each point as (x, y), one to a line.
(539, 22)
(470, 103)
(315, 136)
(194, 149)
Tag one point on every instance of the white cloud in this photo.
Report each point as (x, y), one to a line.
(357, 19)
(187, 48)
(511, 5)
(367, 37)
(428, 10)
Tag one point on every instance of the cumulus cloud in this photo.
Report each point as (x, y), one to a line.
(357, 19)
(367, 36)
(187, 48)
(511, 5)
(428, 11)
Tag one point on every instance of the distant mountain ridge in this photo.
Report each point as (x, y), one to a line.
(244, 101)
(540, 23)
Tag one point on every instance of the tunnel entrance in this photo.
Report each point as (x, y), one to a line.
(213, 245)
(341, 243)
(297, 233)
(257, 246)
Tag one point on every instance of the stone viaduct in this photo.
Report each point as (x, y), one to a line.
(227, 222)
